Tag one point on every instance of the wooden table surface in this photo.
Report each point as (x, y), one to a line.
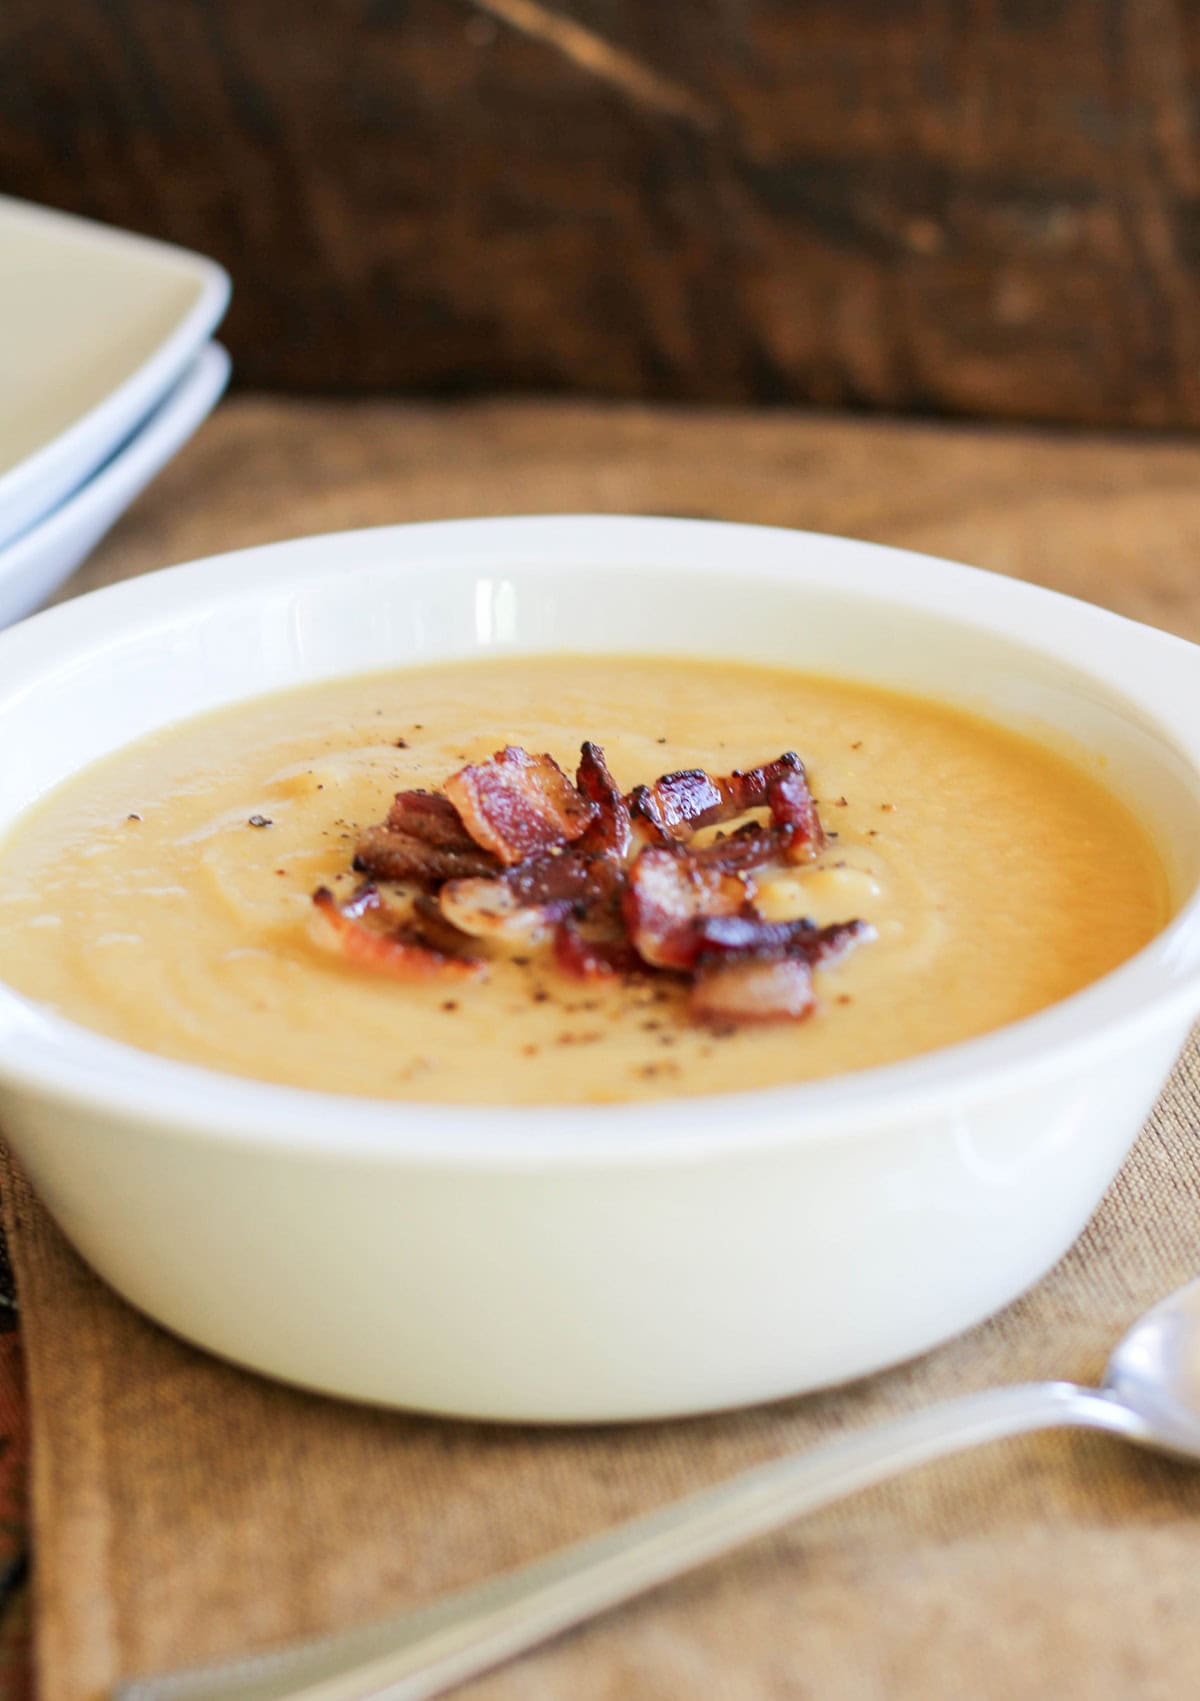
(1113, 519)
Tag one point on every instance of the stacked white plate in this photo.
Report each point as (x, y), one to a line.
(106, 369)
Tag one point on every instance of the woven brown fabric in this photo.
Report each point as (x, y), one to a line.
(185, 1509)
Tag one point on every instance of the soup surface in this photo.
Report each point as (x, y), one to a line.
(163, 896)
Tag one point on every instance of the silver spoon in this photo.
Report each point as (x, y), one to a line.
(1150, 1394)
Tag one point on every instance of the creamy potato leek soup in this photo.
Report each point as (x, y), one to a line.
(413, 885)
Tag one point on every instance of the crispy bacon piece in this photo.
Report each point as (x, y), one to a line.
(783, 786)
(521, 904)
(749, 847)
(754, 991)
(390, 854)
(750, 970)
(751, 788)
(593, 959)
(423, 839)
(517, 805)
(794, 813)
(392, 949)
(430, 816)
(582, 879)
(678, 805)
(610, 833)
(667, 892)
(750, 938)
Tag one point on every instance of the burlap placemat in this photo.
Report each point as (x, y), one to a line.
(186, 1510)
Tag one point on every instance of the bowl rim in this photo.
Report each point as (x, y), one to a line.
(59, 1062)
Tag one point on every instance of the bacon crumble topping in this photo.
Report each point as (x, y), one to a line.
(389, 854)
(513, 853)
(669, 895)
(363, 932)
(611, 831)
(594, 958)
(518, 804)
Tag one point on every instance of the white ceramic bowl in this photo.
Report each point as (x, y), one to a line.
(36, 563)
(609, 1262)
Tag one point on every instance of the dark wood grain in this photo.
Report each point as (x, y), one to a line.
(990, 207)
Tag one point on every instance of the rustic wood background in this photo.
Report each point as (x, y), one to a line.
(986, 207)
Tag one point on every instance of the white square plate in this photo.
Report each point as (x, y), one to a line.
(35, 564)
(95, 327)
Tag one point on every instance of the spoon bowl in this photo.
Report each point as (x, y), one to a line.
(1154, 1374)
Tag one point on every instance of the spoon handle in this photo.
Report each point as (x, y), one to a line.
(424, 1652)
